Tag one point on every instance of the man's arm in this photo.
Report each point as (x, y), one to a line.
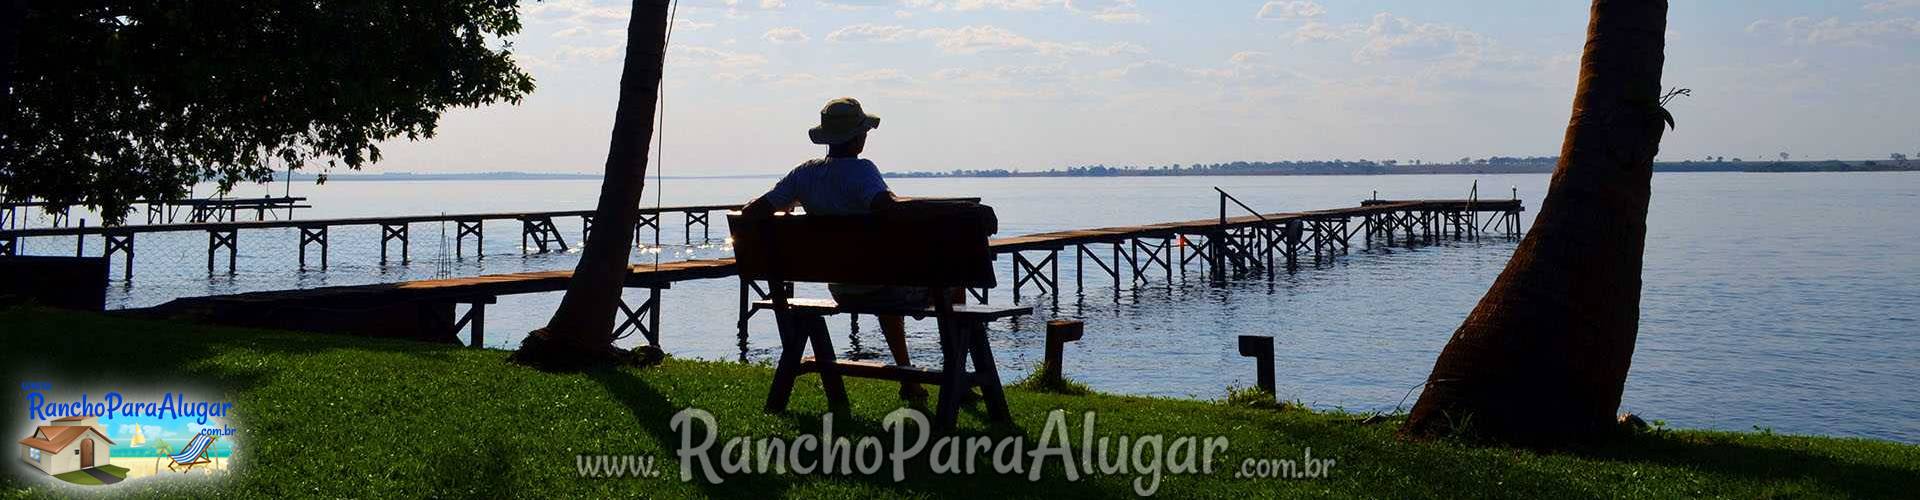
(885, 200)
(782, 197)
(759, 207)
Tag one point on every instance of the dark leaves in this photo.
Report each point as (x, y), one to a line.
(119, 100)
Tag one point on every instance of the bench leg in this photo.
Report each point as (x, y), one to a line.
(792, 345)
(830, 380)
(987, 373)
(953, 353)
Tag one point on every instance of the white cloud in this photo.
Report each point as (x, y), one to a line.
(1247, 57)
(1397, 38)
(1891, 5)
(1110, 11)
(1833, 31)
(1290, 9)
(589, 54)
(688, 25)
(870, 33)
(708, 56)
(1003, 74)
(772, 4)
(786, 34)
(1315, 31)
(856, 4)
(979, 39)
(882, 75)
(575, 12)
(1016, 5)
(1151, 72)
(792, 79)
(572, 32)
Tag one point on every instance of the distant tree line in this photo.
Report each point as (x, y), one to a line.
(1490, 165)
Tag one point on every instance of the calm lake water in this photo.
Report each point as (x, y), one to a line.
(1783, 301)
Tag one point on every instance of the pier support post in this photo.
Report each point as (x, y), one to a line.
(1025, 270)
(644, 319)
(746, 312)
(1059, 333)
(313, 234)
(749, 290)
(1343, 235)
(1260, 348)
(1513, 223)
(120, 242)
(476, 317)
(1366, 227)
(1160, 254)
(461, 230)
(229, 238)
(1274, 242)
(390, 232)
(1293, 244)
(1200, 251)
(540, 230)
(698, 217)
(1081, 252)
(646, 220)
(1217, 243)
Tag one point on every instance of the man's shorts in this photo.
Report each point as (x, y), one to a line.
(878, 297)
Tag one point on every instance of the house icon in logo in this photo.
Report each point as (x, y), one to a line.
(68, 444)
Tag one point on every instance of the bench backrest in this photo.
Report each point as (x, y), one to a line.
(943, 245)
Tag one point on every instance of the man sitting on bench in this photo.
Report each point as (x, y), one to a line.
(844, 184)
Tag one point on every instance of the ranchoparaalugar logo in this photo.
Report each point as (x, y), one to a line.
(82, 439)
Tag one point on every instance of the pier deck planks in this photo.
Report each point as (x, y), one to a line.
(662, 276)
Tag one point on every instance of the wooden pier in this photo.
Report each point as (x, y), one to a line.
(164, 211)
(1223, 246)
(536, 231)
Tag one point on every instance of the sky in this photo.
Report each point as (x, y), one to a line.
(1038, 84)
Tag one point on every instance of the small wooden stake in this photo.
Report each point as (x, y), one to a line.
(1261, 350)
(1059, 333)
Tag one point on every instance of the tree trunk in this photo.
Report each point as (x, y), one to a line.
(580, 334)
(1543, 358)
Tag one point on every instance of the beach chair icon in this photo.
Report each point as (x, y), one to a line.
(195, 453)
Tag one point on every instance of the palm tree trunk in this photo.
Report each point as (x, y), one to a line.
(581, 330)
(1544, 356)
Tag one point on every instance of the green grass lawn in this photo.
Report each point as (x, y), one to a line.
(351, 417)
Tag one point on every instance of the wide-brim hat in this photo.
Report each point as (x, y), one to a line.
(842, 120)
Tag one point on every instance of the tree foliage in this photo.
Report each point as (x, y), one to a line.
(119, 100)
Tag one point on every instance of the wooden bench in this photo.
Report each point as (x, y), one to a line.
(938, 246)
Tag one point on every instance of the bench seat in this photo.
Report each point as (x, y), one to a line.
(827, 307)
(881, 371)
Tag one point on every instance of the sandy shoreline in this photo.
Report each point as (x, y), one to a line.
(138, 467)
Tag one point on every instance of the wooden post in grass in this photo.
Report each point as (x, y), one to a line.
(1059, 333)
(1260, 348)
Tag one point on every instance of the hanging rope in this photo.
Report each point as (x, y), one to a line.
(660, 132)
